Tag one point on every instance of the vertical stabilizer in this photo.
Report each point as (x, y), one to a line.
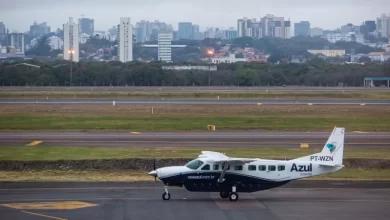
(333, 151)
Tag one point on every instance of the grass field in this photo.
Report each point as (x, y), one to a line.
(192, 117)
(212, 95)
(80, 153)
(136, 176)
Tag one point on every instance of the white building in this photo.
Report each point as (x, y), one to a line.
(125, 43)
(383, 26)
(16, 41)
(230, 59)
(55, 43)
(71, 41)
(164, 46)
(351, 36)
(316, 32)
(83, 38)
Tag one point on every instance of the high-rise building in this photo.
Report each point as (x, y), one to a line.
(371, 26)
(302, 28)
(71, 41)
(39, 30)
(164, 46)
(273, 26)
(316, 31)
(185, 31)
(125, 42)
(16, 40)
(148, 31)
(383, 26)
(287, 29)
(242, 27)
(87, 25)
(3, 33)
(348, 28)
(255, 30)
(230, 34)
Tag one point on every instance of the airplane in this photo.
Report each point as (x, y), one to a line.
(216, 172)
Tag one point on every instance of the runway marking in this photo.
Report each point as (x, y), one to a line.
(135, 132)
(86, 199)
(361, 132)
(64, 205)
(47, 216)
(34, 143)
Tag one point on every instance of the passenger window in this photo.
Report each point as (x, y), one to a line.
(262, 168)
(206, 167)
(238, 167)
(251, 167)
(271, 167)
(281, 167)
(216, 167)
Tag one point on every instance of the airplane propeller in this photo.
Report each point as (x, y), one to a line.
(154, 168)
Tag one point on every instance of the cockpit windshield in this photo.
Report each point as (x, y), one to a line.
(194, 164)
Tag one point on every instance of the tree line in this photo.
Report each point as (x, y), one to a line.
(315, 72)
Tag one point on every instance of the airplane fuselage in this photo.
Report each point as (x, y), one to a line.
(251, 177)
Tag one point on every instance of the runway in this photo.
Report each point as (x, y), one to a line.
(188, 88)
(196, 102)
(303, 200)
(251, 139)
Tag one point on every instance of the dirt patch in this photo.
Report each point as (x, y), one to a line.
(146, 164)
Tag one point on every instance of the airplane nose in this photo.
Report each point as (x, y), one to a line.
(153, 173)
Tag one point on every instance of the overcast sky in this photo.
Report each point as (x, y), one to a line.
(18, 15)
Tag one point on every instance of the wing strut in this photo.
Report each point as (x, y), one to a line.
(221, 178)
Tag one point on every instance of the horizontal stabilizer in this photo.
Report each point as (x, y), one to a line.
(330, 165)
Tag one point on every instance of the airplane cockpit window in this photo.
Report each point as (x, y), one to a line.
(206, 167)
(194, 164)
(216, 167)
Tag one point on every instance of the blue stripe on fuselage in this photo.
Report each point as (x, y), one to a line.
(207, 182)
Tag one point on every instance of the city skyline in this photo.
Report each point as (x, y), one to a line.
(318, 14)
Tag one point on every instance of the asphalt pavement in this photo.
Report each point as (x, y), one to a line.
(196, 102)
(303, 200)
(353, 139)
(189, 88)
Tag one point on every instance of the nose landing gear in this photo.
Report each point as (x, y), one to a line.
(166, 195)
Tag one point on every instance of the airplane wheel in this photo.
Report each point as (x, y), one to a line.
(224, 195)
(233, 197)
(166, 196)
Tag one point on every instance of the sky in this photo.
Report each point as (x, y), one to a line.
(18, 15)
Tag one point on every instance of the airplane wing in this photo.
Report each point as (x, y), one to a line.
(216, 157)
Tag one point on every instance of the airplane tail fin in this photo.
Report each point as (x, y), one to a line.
(333, 152)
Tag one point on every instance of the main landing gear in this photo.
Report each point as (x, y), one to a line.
(166, 195)
(233, 196)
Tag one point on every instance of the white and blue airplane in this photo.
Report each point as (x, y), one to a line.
(216, 172)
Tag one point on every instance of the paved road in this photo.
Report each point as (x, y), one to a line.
(196, 102)
(193, 139)
(304, 200)
(189, 88)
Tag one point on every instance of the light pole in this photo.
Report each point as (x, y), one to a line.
(71, 52)
(210, 53)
